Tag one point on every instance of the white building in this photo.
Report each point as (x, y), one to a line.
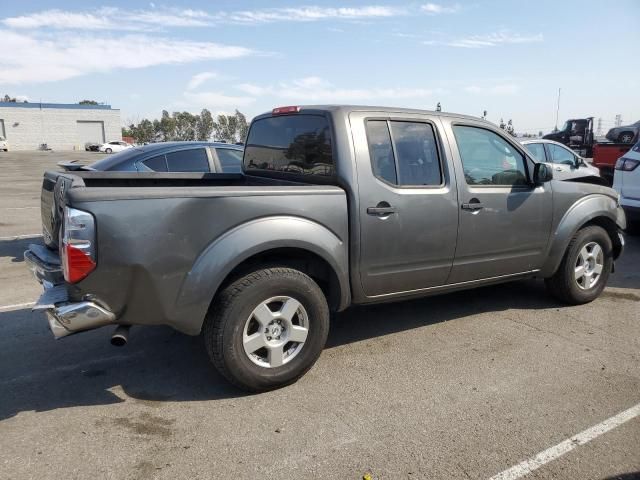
(61, 126)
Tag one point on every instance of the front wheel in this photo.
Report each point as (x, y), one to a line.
(108, 150)
(266, 329)
(585, 268)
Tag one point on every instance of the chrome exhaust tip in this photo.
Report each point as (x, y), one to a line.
(120, 336)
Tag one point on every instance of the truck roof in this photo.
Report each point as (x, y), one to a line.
(346, 109)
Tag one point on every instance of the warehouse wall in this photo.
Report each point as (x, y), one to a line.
(27, 128)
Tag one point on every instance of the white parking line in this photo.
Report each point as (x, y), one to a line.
(16, 306)
(566, 446)
(19, 237)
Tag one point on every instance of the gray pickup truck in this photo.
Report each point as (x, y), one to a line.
(336, 205)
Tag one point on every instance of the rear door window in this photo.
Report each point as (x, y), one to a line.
(230, 160)
(293, 144)
(404, 153)
(417, 155)
(157, 163)
(193, 160)
(383, 161)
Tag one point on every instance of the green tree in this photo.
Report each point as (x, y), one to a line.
(204, 125)
(243, 126)
(88, 102)
(225, 128)
(185, 126)
(231, 128)
(143, 132)
(166, 127)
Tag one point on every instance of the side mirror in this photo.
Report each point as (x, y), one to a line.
(577, 162)
(542, 173)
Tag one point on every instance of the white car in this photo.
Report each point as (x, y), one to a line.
(566, 163)
(626, 181)
(4, 145)
(112, 147)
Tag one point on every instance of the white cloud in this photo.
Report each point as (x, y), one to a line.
(405, 35)
(111, 18)
(199, 79)
(211, 100)
(310, 14)
(37, 58)
(436, 9)
(503, 37)
(315, 89)
(504, 89)
(58, 19)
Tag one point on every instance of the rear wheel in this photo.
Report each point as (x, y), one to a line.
(626, 137)
(585, 268)
(266, 329)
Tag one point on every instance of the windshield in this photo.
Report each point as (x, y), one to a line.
(565, 126)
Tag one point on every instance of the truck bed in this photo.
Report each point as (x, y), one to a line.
(152, 230)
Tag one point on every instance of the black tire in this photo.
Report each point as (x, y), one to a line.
(108, 150)
(224, 327)
(563, 285)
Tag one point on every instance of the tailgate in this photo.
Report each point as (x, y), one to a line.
(52, 202)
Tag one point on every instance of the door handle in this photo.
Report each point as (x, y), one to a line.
(381, 211)
(472, 206)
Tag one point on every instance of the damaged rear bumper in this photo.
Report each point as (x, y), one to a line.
(65, 317)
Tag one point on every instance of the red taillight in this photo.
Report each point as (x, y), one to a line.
(285, 110)
(76, 264)
(77, 247)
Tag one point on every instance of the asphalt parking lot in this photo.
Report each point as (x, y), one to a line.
(465, 385)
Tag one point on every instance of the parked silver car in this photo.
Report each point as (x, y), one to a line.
(566, 163)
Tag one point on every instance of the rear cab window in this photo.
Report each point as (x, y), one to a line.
(290, 145)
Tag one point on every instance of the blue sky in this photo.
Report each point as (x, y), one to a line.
(508, 57)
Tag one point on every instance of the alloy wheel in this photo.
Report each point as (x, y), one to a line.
(275, 332)
(589, 265)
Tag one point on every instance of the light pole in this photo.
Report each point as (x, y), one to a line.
(558, 108)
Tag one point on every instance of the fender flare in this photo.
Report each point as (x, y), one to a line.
(582, 212)
(229, 250)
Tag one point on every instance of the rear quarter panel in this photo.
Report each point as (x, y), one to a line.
(163, 254)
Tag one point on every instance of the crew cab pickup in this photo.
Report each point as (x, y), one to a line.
(336, 206)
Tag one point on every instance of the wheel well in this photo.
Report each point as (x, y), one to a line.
(612, 229)
(300, 259)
